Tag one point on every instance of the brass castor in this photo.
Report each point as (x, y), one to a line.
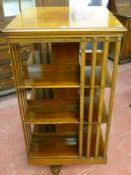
(55, 169)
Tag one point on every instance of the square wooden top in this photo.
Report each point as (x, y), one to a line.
(64, 20)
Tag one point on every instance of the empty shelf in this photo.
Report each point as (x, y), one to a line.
(53, 146)
(51, 76)
(63, 145)
(52, 111)
(55, 111)
(59, 76)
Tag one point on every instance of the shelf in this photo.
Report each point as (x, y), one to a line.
(55, 111)
(51, 76)
(52, 111)
(60, 93)
(62, 145)
(59, 76)
(53, 145)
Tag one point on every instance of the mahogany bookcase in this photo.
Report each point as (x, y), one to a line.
(72, 123)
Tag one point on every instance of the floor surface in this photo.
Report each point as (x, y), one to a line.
(12, 148)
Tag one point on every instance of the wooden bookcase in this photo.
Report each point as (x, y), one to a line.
(71, 123)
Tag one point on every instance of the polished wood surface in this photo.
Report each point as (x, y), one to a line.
(70, 55)
(51, 76)
(64, 19)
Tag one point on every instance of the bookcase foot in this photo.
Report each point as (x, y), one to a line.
(55, 169)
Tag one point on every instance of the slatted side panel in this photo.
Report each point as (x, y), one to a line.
(21, 94)
(96, 138)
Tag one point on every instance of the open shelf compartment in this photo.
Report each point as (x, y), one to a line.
(51, 111)
(54, 145)
(58, 145)
(58, 111)
(51, 75)
(59, 76)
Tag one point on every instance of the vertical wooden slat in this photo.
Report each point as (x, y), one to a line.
(18, 61)
(29, 132)
(101, 98)
(21, 101)
(82, 84)
(92, 84)
(116, 59)
(24, 102)
(19, 58)
(26, 138)
(25, 98)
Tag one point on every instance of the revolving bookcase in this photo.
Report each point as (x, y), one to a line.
(66, 99)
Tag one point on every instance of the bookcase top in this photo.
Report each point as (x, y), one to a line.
(64, 19)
